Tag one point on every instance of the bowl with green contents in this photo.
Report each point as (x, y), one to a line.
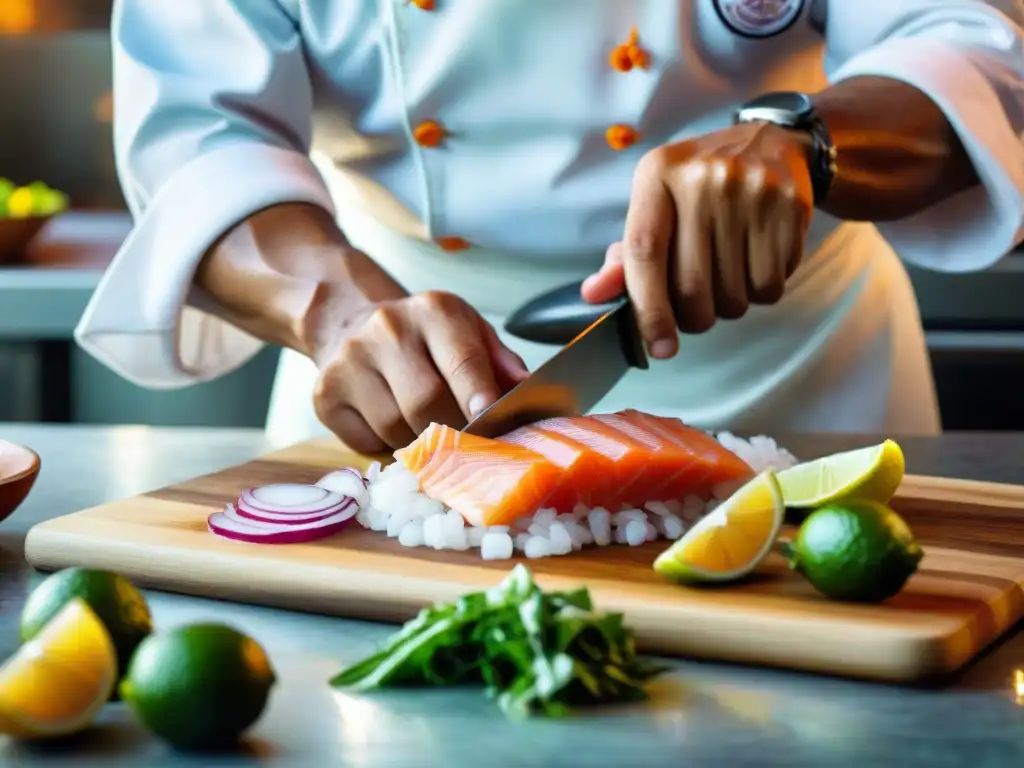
(24, 210)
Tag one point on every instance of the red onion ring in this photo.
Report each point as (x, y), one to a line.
(347, 481)
(240, 510)
(251, 531)
(290, 498)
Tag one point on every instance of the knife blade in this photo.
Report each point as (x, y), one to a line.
(574, 380)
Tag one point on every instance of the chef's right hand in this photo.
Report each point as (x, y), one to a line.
(410, 361)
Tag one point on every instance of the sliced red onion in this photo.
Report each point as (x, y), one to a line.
(252, 531)
(347, 481)
(240, 510)
(290, 498)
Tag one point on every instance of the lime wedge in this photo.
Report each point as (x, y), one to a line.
(872, 474)
(731, 541)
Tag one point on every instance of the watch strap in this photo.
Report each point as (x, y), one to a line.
(822, 162)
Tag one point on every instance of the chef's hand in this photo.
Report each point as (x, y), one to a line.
(714, 224)
(410, 361)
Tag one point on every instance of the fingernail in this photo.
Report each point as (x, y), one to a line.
(663, 348)
(478, 404)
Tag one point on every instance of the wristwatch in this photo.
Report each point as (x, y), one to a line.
(796, 111)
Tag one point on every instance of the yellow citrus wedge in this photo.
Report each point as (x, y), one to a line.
(870, 474)
(56, 683)
(732, 540)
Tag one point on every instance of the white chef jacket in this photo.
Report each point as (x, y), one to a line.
(225, 107)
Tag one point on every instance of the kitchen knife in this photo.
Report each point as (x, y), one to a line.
(575, 379)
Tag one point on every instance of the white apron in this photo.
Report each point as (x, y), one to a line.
(843, 352)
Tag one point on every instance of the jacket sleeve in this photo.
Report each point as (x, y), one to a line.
(968, 57)
(213, 114)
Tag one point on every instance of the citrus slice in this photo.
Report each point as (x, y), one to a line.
(732, 540)
(56, 683)
(871, 474)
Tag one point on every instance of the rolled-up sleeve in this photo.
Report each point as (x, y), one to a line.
(968, 57)
(212, 124)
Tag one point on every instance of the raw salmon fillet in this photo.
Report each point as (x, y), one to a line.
(613, 460)
(486, 481)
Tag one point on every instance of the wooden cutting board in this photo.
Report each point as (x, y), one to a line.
(968, 591)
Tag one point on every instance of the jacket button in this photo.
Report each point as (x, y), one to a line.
(629, 54)
(619, 59)
(429, 133)
(621, 137)
(452, 244)
(638, 56)
(424, 5)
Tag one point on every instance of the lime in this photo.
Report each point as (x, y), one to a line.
(858, 551)
(57, 683)
(46, 201)
(6, 188)
(199, 686)
(49, 203)
(117, 603)
(732, 540)
(872, 473)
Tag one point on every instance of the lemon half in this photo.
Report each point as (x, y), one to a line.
(732, 540)
(56, 683)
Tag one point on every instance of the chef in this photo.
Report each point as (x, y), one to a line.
(375, 185)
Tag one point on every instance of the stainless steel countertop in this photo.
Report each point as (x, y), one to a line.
(702, 715)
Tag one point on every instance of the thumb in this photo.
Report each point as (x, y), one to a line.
(609, 282)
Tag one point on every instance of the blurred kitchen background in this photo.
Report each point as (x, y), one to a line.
(55, 114)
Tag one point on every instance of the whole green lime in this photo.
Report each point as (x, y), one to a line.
(114, 599)
(45, 200)
(198, 687)
(6, 188)
(855, 551)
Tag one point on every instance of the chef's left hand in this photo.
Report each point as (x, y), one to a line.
(715, 224)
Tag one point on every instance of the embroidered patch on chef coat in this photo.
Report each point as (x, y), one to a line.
(759, 18)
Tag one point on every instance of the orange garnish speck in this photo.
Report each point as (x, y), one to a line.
(621, 136)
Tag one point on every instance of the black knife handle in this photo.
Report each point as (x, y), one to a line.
(559, 316)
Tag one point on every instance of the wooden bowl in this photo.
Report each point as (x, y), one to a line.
(19, 468)
(16, 234)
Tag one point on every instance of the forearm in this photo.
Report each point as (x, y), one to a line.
(288, 276)
(896, 152)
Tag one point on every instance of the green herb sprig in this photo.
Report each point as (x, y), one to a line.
(536, 653)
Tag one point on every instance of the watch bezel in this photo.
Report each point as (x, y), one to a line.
(789, 108)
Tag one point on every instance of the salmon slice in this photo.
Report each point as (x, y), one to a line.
(710, 462)
(622, 458)
(667, 463)
(584, 472)
(488, 482)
